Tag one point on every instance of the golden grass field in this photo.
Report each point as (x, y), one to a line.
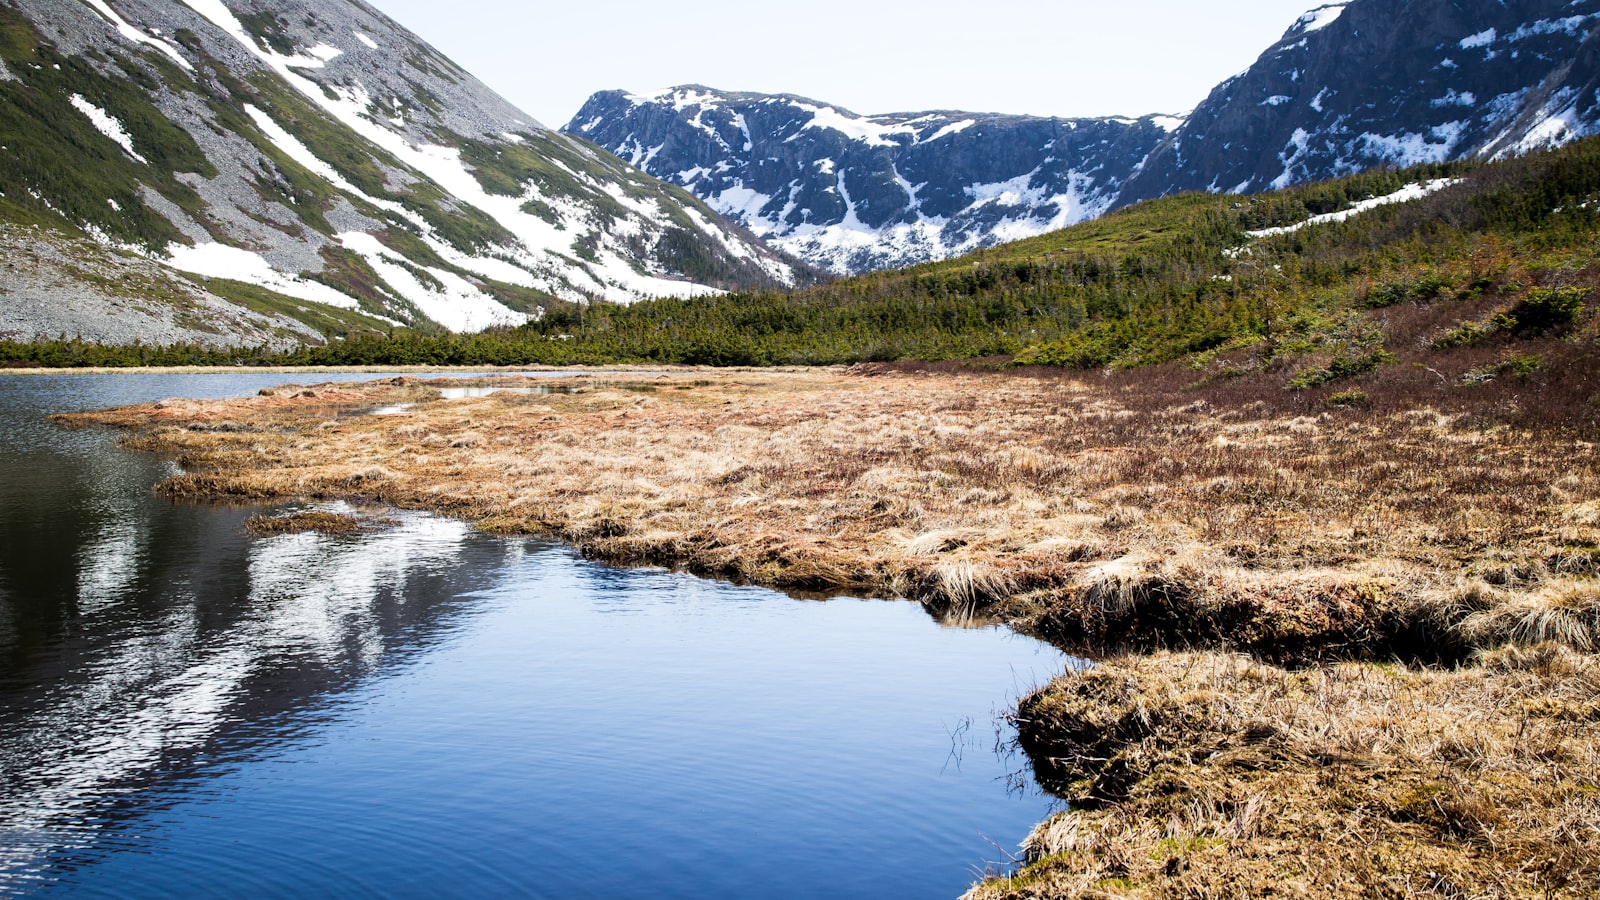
(1303, 612)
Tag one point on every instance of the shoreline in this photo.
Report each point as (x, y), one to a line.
(364, 370)
(1096, 517)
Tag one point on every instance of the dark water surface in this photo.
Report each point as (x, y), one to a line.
(186, 710)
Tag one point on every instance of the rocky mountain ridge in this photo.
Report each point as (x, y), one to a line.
(851, 193)
(1350, 86)
(1373, 83)
(296, 157)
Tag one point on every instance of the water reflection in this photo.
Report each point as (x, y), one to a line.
(141, 642)
(186, 678)
(186, 709)
(467, 393)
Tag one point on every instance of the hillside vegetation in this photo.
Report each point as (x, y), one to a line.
(1459, 281)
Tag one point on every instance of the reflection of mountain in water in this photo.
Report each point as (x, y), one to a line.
(185, 709)
(165, 641)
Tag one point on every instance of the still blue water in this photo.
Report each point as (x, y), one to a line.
(186, 710)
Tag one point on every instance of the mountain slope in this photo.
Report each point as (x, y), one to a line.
(852, 193)
(317, 150)
(1443, 278)
(1390, 82)
(1350, 86)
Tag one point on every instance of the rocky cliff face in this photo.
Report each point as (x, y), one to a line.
(294, 155)
(1349, 86)
(852, 193)
(1390, 82)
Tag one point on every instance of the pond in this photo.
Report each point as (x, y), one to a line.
(188, 710)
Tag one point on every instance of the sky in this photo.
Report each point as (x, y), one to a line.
(1061, 58)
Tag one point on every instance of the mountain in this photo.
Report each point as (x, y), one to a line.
(1390, 83)
(1447, 279)
(852, 193)
(1349, 87)
(227, 170)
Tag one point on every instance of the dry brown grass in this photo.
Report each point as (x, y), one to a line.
(1213, 775)
(1094, 516)
(314, 520)
(1107, 515)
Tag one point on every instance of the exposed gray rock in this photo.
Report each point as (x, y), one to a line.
(52, 286)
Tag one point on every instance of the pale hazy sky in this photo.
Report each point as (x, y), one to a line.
(1071, 58)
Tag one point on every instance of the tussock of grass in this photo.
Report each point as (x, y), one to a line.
(1210, 774)
(319, 521)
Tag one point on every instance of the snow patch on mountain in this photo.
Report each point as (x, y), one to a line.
(1292, 155)
(1408, 193)
(1557, 122)
(316, 57)
(865, 131)
(952, 128)
(1318, 18)
(1570, 25)
(445, 297)
(137, 36)
(213, 260)
(107, 125)
(1454, 98)
(1412, 148)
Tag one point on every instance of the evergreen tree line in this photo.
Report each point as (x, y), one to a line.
(1149, 283)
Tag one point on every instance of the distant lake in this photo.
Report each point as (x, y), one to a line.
(187, 710)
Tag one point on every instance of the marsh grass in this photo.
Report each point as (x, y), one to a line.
(1211, 774)
(1289, 570)
(1098, 513)
(317, 521)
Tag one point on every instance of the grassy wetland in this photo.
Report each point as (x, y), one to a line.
(1322, 505)
(1344, 649)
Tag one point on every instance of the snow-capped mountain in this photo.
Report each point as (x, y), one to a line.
(1349, 86)
(1390, 82)
(320, 155)
(851, 193)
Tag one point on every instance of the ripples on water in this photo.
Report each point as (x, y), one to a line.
(189, 710)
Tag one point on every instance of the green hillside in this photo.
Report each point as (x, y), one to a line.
(1487, 278)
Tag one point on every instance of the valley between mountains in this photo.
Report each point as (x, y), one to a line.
(1280, 413)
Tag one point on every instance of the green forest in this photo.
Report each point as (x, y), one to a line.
(1511, 244)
